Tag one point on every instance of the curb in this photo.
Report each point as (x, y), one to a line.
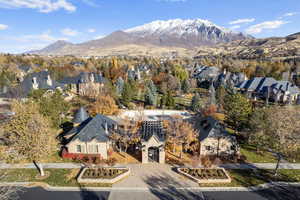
(202, 189)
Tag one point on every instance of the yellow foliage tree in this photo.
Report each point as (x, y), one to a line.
(104, 105)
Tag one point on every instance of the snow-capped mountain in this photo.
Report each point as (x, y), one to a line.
(185, 33)
(175, 26)
(177, 33)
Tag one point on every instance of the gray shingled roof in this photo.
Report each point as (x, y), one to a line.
(41, 78)
(206, 73)
(210, 127)
(83, 77)
(94, 129)
(260, 85)
(152, 128)
(80, 116)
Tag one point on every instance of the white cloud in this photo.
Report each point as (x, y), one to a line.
(3, 27)
(99, 37)
(242, 21)
(91, 30)
(44, 6)
(235, 27)
(69, 32)
(267, 25)
(290, 14)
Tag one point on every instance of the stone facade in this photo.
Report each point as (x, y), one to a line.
(154, 143)
(92, 147)
(219, 146)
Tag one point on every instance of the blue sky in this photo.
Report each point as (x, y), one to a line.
(33, 24)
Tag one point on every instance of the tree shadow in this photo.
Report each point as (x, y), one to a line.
(276, 192)
(86, 194)
(166, 187)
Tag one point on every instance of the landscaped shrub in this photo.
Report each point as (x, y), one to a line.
(205, 173)
(104, 173)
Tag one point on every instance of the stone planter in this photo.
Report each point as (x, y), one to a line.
(91, 175)
(201, 175)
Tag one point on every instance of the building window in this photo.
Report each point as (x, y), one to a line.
(208, 148)
(78, 147)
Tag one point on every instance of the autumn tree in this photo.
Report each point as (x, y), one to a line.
(104, 105)
(180, 133)
(27, 134)
(277, 129)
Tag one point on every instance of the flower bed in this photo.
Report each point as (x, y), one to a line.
(206, 175)
(102, 175)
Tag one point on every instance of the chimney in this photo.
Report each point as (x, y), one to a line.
(35, 85)
(49, 80)
(106, 128)
(92, 78)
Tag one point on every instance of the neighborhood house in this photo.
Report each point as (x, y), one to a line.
(89, 136)
(215, 140)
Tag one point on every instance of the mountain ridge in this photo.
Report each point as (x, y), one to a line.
(175, 33)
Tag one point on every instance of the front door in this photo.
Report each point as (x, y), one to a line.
(153, 154)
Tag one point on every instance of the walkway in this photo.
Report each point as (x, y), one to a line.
(144, 166)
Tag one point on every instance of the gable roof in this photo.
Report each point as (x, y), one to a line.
(94, 128)
(41, 79)
(210, 127)
(260, 84)
(152, 128)
(83, 77)
(206, 73)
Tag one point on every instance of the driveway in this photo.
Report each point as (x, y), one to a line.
(154, 176)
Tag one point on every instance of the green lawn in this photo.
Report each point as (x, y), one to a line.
(58, 177)
(247, 178)
(253, 157)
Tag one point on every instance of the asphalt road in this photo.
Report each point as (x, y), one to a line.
(279, 193)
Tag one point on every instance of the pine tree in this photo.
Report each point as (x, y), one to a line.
(185, 86)
(119, 85)
(212, 93)
(150, 99)
(127, 94)
(170, 101)
(196, 103)
(237, 110)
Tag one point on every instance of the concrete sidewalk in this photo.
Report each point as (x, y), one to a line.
(79, 165)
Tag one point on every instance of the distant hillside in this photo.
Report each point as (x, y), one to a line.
(275, 47)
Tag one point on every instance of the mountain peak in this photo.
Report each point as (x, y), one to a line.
(176, 26)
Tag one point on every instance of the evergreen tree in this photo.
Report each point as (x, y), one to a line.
(151, 94)
(237, 110)
(170, 101)
(196, 103)
(185, 86)
(212, 93)
(220, 95)
(119, 85)
(150, 99)
(127, 94)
